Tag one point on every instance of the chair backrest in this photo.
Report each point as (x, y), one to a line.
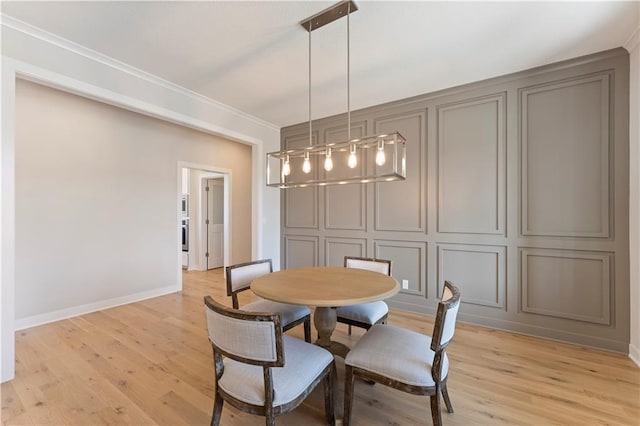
(445, 324)
(248, 337)
(376, 265)
(239, 276)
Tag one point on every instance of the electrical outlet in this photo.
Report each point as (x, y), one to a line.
(405, 284)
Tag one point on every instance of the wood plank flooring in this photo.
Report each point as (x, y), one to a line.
(150, 363)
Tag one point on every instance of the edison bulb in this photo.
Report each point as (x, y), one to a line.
(286, 168)
(328, 162)
(306, 166)
(352, 162)
(380, 157)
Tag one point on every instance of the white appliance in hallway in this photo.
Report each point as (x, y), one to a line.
(214, 222)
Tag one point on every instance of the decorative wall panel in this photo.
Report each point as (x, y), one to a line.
(301, 204)
(345, 205)
(300, 251)
(408, 263)
(472, 166)
(565, 157)
(566, 284)
(335, 249)
(517, 191)
(410, 194)
(479, 272)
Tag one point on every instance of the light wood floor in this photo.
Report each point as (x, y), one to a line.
(150, 363)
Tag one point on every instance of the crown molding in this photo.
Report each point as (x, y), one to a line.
(38, 33)
(633, 40)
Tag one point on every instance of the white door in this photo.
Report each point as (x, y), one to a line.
(214, 223)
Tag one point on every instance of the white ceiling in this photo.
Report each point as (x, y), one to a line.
(254, 55)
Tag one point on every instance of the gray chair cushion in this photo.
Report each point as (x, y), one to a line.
(396, 353)
(290, 313)
(368, 313)
(303, 363)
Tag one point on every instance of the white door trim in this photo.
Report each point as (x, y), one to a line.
(227, 176)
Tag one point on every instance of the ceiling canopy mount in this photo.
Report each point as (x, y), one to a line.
(329, 15)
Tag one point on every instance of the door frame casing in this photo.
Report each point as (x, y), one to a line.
(227, 176)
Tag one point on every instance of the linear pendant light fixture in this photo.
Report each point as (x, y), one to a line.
(378, 158)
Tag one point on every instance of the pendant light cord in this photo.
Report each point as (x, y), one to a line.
(348, 77)
(310, 134)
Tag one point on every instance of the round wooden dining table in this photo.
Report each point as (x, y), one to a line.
(325, 288)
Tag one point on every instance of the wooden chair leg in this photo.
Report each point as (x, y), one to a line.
(445, 396)
(217, 410)
(348, 394)
(328, 397)
(307, 330)
(270, 419)
(349, 329)
(435, 409)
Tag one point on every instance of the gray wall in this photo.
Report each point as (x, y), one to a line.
(517, 191)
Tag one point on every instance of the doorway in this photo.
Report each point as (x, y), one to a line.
(207, 194)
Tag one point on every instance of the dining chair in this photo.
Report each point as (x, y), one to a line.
(406, 360)
(365, 315)
(239, 279)
(258, 369)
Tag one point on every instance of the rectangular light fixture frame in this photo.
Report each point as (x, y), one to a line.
(367, 170)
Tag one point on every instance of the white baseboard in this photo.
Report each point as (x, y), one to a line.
(74, 311)
(634, 354)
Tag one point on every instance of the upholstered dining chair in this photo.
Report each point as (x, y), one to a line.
(406, 360)
(239, 279)
(258, 369)
(365, 315)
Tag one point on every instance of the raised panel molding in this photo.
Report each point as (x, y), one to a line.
(472, 166)
(410, 194)
(409, 262)
(560, 123)
(548, 150)
(478, 270)
(335, 249)
(301, 204)
(568, 284)
(345, 205)
(300, 251)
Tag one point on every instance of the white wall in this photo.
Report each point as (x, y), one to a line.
(30, 53)
(96, 201)
(633, 45)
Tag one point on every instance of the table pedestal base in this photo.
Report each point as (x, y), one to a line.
(324, 319)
